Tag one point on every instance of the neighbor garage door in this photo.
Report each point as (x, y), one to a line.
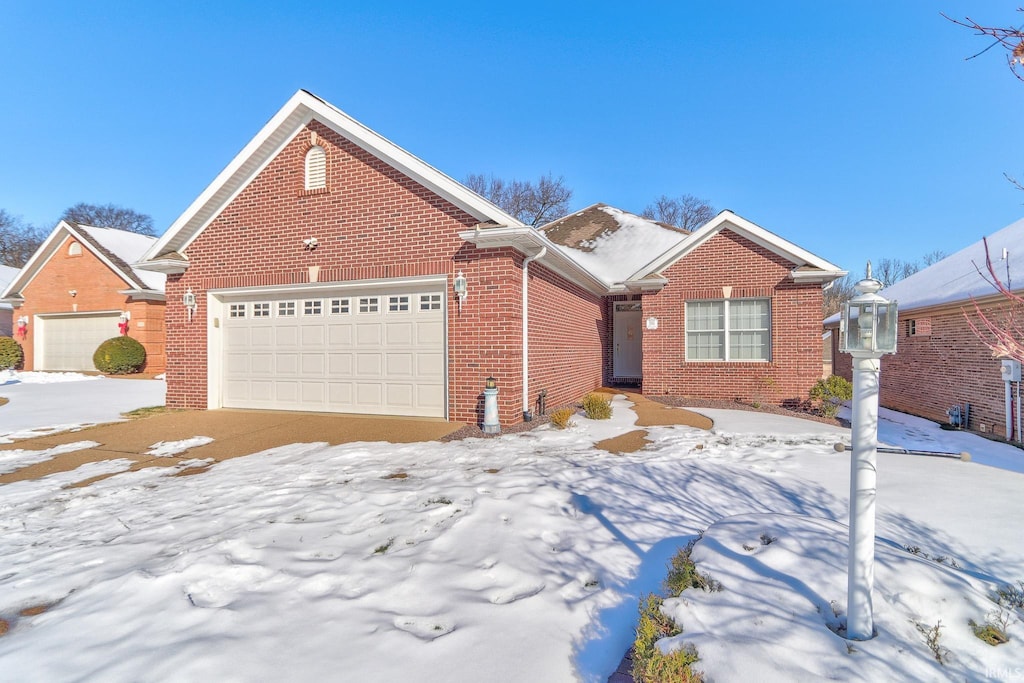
(69, 341)
(379, 351)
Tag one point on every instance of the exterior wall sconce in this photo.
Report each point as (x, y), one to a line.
(122, 324)
(491, 424)
(461, 290)
(867, 330)
(311, 243)
(188, 299)
(73, 293)
(21, 328)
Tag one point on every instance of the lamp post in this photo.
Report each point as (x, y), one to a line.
(867, 330)
(491, 424)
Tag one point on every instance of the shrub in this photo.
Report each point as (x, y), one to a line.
(119, 356)
(562, 418)
(828, 394)
(649, 664)
(597, 406)
(991, 632)
(683, 574)
(11, 354)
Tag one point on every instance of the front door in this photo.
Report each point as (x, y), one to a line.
(627, 359)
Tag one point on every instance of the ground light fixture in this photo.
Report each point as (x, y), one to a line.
(491, 423)
(867, 331)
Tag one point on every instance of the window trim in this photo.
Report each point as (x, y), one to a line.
(315, 168)
(726, 331)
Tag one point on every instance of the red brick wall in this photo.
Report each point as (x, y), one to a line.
(567, 328)
(371, 222)
(929, 373)
(729, 260)
(97, 290)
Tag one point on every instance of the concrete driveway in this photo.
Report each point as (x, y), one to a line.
(234, 433)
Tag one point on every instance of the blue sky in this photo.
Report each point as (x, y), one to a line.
(855, 129)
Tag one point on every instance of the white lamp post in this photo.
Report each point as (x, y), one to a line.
(867, 330)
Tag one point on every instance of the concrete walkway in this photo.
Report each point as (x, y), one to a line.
(234, 433)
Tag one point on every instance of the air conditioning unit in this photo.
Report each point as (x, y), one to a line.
(1010, 371)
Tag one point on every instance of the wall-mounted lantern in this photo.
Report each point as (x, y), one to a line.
(73, 293)
(122, 323)
(188, 299)
(867, 330)
(460, 288)
(21, 328)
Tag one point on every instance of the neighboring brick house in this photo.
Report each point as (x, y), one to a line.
(6, 310)
(320, 271)
(76, 290)
(939, 361)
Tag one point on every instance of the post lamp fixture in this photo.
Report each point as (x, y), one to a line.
(867, 331)
(491, 424)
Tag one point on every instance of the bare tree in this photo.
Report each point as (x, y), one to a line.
(532, 203)
(18, 240)
(933, 257)
(999, 329)
(1011, 39)
(685, 211)
(835, 296)
(110, 216)
(890, 271)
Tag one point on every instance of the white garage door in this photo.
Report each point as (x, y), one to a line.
(380, 351)
(68, 342)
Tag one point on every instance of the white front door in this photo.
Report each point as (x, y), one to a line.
(627, 338)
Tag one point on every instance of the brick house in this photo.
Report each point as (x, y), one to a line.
(76, 289)
(321, 271)
(939, 361)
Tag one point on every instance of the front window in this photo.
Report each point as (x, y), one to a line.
(728, 330)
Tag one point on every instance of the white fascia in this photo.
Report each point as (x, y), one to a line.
(167, 266)
(529, 241)
(144, 294)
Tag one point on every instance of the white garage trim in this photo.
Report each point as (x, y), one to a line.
(422, 385)
(46, 339)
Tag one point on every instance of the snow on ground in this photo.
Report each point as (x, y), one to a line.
(164, 449)
(46, 402)
(519, 558)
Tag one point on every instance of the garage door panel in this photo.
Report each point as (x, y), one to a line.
(69, 342)
(346, 359)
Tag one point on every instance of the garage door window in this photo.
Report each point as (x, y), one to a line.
(237, 311)
(430, 302)
(261, 310)
(285, 309)
(314, 307)
(369, 304)
(397, 304)
(339, 306)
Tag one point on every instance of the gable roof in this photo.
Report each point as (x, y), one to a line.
(117, 249)
(302, 108)
(609, 242)
(7, 273)
(807, 266)
(955, 279)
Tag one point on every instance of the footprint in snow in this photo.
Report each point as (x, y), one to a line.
(424, 628)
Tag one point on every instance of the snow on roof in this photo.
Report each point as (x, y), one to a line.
(129, 248)
(611, 243)
(956, 278)
(7, 274)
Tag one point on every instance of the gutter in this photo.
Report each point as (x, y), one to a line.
(527, 416)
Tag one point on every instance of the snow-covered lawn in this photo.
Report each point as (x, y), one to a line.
(519, 558)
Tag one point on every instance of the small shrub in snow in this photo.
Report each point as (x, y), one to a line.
(649, 664)
(931, 639)
(120, 356)
(829, 393)
(384, 547)
(11, 354)
(683, 574)
(597, 406)
(1011, 596)
(993, 631)
(562, 419)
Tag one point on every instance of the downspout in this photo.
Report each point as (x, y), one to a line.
(526, 331)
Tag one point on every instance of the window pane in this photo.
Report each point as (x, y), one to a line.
(705, 315)
(748, 345)
(748, 314)
(705, 345)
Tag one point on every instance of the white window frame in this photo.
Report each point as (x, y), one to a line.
(312, 307)
(261, 309)
(341, 306)
(430, 302)
(238, 310)
(727, 331)
(399, 303)
(286, 309)
(369, 304)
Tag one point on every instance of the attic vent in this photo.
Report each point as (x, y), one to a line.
(316, 168)
(74, 249)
